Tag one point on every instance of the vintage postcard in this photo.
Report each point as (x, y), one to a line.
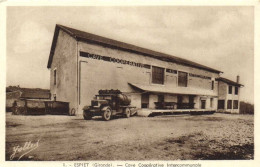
(129, 85)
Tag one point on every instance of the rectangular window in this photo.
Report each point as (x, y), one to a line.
(55, 76)
(171, 71)
(235, 104)
(230, 89)
(157, 75)
(229, 104)
(212, 85)
(236, 90)
(182, 79)
(221, 104)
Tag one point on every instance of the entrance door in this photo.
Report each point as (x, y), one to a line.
(221, 104)
(145, 100)
(191, 102)
(203, 104)
(179, 102)
(160, 98)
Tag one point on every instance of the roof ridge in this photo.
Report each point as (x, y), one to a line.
(226, 80)
(85, 36)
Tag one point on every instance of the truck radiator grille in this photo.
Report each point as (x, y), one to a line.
(94, 103)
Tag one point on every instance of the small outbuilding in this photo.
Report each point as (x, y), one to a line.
(228, 96)
(29, 101)
(15, 94)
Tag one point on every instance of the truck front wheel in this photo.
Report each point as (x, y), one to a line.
(106, 115)
(127, 112)
(87, 115)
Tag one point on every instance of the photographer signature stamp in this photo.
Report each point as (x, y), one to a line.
(21, 151)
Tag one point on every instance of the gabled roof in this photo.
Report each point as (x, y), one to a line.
(229, 82)
(84, 36)
(13, 88)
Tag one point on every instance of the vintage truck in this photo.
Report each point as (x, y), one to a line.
(109, 103)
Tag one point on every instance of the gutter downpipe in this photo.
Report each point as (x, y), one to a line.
(77, 77)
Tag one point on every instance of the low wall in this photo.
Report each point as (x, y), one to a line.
(40, 107)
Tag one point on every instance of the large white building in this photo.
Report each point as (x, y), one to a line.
(81, 63)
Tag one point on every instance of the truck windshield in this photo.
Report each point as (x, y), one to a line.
(104, 97)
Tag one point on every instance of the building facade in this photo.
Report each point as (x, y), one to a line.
(228, 97)
(81, 64)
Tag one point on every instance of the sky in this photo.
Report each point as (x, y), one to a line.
(218, 37)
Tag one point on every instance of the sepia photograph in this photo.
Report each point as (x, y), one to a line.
(129, 83)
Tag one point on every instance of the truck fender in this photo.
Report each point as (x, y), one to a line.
(104, 108)
(85, 108)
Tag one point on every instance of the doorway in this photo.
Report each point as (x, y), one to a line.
(203, 104)
(145, 100)
(179, 102)
(191, 101)
(160, 98)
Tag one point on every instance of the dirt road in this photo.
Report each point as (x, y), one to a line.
(185, 137)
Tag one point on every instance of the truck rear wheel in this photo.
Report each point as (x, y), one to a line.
(72, 112)
(127, 112)
(106, 115)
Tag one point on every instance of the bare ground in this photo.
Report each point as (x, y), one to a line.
(185, 137)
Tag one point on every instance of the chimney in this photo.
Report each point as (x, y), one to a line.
(238, 78)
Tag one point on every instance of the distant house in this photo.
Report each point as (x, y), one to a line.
(228, 96)
(15, 93)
